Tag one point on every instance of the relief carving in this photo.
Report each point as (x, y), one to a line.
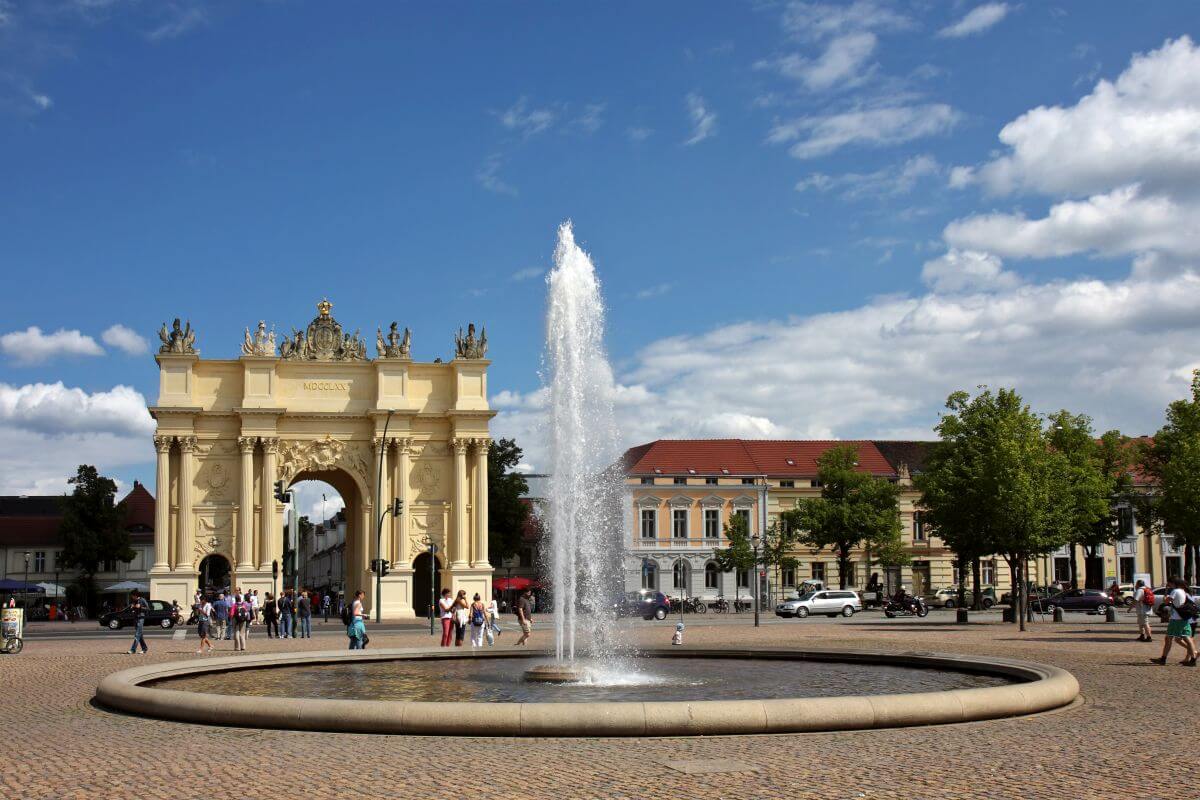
(427, 528)
(319, 455)
(213, 536)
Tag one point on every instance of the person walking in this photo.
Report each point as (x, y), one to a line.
(221, 615)
(139, 607)
(256, 605)
(243, 612)
(325, 605)
(357, 629)
(1143, 604)
(446, 613)
(1179, 626)
(479, 621)
(204, 613)
(525, 615)
(286, 609)
(493, 622)
(304, 616)
(270, 615)
(461, 616)
(229, 622)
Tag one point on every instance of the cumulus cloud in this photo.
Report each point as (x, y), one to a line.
(31, 346)
(977, 20)
(53, 408)
(126, 339)
(309, 503)
(815, 136)
(704, 120)
(964, 270)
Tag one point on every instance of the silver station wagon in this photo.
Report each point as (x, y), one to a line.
(829, 602)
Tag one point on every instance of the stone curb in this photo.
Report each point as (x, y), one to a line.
(1039, 687)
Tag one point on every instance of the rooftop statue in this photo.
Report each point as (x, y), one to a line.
(177, 340)
(469, 346)
(261, 343)
(395, 345)
(323, 340)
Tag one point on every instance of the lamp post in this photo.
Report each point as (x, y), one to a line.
(25, 588)
(754, 541)
(379, 524)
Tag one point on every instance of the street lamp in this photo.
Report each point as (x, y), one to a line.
(754, 541)
(379, 525)
(25, 588)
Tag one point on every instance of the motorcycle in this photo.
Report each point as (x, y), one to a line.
(912, 607)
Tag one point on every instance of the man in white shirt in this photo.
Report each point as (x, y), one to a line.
(1179, 627)
(1143, 603)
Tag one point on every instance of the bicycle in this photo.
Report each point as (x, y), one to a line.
(720, 605)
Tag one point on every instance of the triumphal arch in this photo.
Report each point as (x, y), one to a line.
(315, 406)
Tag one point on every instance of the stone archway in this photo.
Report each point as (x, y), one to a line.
(215, 573)
(229, 429)
(427, 583)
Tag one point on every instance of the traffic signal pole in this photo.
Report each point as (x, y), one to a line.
(379, 525)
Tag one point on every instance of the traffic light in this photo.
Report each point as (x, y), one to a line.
(397, 506)
(383, 567)
(279, 495)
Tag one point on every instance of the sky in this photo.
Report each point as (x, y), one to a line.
(810, 220)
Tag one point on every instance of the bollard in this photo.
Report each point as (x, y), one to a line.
(1110, 614)
(961, 617)
(1058, 614)
(1010, 614)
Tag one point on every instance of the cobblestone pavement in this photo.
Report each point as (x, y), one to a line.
(1134, 734)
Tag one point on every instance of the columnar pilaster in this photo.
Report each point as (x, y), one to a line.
(400, 547)
(460, 556)
(183, 533)
(245, 531)
(162, 504)
(271, 545)
(481, 502)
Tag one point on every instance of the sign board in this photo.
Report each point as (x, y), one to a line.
(12, 623)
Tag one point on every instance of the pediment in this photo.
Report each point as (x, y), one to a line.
(744, 500)
(680, 500)
(713, 500)
(649, 500)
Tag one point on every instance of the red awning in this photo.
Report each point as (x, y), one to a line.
(515, 583)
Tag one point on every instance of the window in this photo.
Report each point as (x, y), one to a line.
(1127, 566)
(679, 523)
(987, 572)
(649, 523)
(712, 523)
(710, 575)
(788, 576)
(815, 483)
(39, 561)
(747, 481)
(679, 575)
(743, 578)
(710, 481)
(58, 560)
(1174, 565)
(1062, 570)
(918, 527)
(818, 571)
(647, 481)
(787, 484)
(110, 565)
(1125, 523)
(954, 575)
(744, 514)
(681, 481)
(850, 574)
(649, 575)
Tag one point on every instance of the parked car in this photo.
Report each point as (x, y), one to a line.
(829, 602)
(1161, 609)
(159, 614)
(1035, 593)
(948, 598)
(1092, 601)
(653, 605)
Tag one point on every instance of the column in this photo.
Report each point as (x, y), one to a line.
(379, 485)
(183, 534)
(481, 502)
(271, 537)
(245, 530)
(460, 554)
(162, 504)
(400, 547)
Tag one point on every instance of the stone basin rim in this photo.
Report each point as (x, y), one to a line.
(1041, 687)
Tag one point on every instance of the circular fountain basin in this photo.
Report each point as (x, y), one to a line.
(555, 673)
(755, 691)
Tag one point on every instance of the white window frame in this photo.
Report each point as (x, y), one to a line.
(819, 567)
(648, 515)
(39, 561)
(650, 576)
(715, 512)
(678, 514)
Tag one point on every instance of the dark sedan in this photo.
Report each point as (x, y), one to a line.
(1092, 601)
(159, 614)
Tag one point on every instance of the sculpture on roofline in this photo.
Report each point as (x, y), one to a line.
(324, 340)
(469, 346)
(394, 345)
(261, 343)
(177, 340)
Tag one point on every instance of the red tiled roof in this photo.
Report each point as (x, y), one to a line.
(744, 457)
(29, 530)
(139, 508)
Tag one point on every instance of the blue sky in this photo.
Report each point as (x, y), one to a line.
(763, 187)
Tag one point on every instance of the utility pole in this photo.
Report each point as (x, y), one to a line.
(379, 525)
(754, 540)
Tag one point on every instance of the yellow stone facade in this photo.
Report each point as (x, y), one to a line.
(227, 429)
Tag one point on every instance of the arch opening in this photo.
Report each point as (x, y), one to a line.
(215, 571)
(427, 583)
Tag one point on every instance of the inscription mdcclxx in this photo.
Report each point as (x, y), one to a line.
(326, 386)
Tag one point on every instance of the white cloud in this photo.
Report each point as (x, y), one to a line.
(843, 64)
(592, 117)
(977, 20)
(967, 270)
(704, 121)
(31, 346)
(309, 504)
(53, 408)
(816, 136)
(528, 273)
(489, 178)
(822, 20)
(126, 339)
(654, 291)
(527, 121)
(887, 182)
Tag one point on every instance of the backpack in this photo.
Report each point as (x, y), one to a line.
(1189, 610)
(347, 616)
(243, 612)
(1147, 597)
(477, 617)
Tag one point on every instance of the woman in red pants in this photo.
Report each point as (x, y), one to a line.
(446, 611)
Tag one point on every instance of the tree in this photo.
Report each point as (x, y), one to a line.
(1173, 460)
(1090, 485)
(92, 527)
(508, 510)
(854, 509)
(739, 555)
(777, 543)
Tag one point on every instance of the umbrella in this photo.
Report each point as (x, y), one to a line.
(18, 586)
(515, 583)
(127, 586)
(52, 588)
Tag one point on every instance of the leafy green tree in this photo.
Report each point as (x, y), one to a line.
(854, 509)
(92, 527)
(777, 543)
(1173, 459)
(508, 512)
(739, 555)
(1091, 478)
